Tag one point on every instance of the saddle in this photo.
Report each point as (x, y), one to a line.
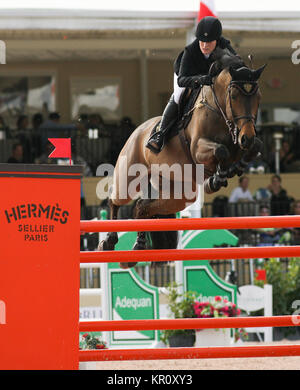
(185, 113)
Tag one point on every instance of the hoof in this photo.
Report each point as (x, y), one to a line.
(224, 183)
(102, 246)
(105, 246)
(127, 265)
(139, 245)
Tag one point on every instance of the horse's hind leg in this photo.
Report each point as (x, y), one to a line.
(112, 237)
(164, 240)
(141, 242)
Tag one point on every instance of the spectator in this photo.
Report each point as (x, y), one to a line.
(258, 165)
(37, 120)
(241, 197)
(96, 122)
(51, 128)
(4, 127)
(36, 149)
(83, 122)
(241, 193)
(78, 160)
(280, 202)
(267, 235)
(43, 158)
(22, 137)
(127, 127)
(52, 123)
(17, 154)
(262, 195)
(286, 156)
(22, 123)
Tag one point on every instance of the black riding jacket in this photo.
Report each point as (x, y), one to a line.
(191, 62)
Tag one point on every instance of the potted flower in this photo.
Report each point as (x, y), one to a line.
(219, 307)
(91, 341)
(180, 306)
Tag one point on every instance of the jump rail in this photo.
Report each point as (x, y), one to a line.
(143, 225)
(158, 255)
(189, 254)
(189, 323)
(189, 353)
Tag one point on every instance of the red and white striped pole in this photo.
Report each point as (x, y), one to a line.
(206, 8)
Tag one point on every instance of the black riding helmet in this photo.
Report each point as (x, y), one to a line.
(209, 29)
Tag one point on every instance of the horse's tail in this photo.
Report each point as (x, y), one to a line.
(163, 240)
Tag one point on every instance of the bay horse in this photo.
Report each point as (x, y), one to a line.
(221, 135)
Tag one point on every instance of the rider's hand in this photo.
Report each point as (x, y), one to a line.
(203, 80)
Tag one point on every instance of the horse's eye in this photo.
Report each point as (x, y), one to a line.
(234, 96)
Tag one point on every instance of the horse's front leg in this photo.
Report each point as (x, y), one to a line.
(215, 158)
(239, 167)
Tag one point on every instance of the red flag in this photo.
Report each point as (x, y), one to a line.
(261, 274)
(206, 8)
(62, 148)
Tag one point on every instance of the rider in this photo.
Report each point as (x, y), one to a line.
(190, 71)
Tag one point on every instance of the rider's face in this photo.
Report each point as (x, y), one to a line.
(207, 47)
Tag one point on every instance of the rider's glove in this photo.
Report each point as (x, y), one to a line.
(202, 80)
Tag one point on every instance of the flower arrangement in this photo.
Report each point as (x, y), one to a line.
(220, 307)
(186, 306)
(91, 341)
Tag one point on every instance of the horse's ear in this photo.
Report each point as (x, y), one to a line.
(257, 73)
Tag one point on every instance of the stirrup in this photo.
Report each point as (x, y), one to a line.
(151, 147)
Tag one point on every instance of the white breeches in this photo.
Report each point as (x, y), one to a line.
(178, 91)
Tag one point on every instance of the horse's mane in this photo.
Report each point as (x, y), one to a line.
(224, 59)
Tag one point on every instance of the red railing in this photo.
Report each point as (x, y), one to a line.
(189, 254)
(189, 353)
(146, 225)
(157, 255)
(189, 323)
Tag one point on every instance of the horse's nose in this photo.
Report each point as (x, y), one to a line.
(246, 142)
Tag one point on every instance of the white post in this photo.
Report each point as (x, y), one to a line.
(277, 136)
(194, 209)
(104, 285)
(268, 312)
(251, 271)
(179, 266)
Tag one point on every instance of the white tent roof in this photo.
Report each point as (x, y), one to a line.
(164, 14)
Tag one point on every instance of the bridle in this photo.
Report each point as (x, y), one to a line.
(232, 125)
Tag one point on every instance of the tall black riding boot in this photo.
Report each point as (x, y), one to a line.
(157, 140)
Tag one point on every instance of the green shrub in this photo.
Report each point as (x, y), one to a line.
(286, 284)
(181, 306)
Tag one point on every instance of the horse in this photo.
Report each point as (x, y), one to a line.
(220, 135)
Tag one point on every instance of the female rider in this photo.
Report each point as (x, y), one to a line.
(190, 71)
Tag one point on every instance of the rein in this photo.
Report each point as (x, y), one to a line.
(232, 125)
